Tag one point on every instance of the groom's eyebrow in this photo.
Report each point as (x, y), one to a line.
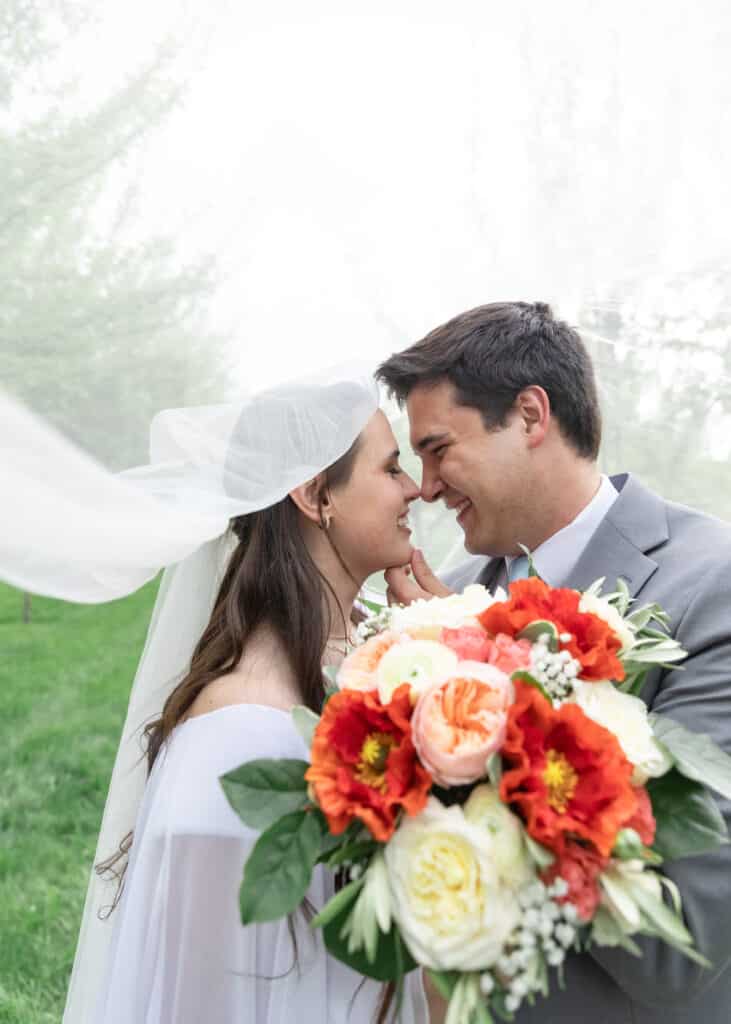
(429, 439)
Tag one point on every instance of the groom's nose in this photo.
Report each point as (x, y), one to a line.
(432, 486)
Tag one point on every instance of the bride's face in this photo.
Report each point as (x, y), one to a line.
(369, 522)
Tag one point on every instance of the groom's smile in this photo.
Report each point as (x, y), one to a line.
(478, 473)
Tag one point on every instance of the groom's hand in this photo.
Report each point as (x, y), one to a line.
(408, 583)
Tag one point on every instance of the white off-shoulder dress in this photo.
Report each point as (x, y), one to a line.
(180, 954)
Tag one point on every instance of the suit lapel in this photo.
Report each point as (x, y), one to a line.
(634, 526)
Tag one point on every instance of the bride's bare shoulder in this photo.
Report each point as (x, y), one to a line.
(263, 676)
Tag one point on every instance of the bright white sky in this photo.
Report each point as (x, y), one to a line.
(364, 171)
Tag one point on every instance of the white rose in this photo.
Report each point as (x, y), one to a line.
(485, 809)
(451, 612)
(626, 717)
(608, 613)
(446, 895)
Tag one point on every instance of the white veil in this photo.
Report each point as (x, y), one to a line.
(207, 465)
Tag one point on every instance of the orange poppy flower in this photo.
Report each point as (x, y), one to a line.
(566, 775)
(593, 643)
(364, 764)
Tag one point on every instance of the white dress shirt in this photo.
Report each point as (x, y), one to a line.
(556, 557)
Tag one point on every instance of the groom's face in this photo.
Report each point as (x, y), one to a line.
(481, 473)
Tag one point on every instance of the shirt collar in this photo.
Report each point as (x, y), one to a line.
(556, 557)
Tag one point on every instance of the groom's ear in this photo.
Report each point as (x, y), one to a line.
(309, 498)
(534, 408)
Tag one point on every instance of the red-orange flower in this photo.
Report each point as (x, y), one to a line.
(364, 764)
(580, 867)
(566, 775)
(593, 643)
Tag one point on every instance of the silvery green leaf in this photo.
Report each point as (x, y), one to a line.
(625, 599)
(596, 588)
(541, 627)
(694, 754)
(333, 906)
(605, 931)
(495, 769)
(659, 920)
(305, 722)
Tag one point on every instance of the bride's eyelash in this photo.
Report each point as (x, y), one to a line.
(395, 470)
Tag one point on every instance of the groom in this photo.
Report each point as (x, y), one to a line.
(504, 415)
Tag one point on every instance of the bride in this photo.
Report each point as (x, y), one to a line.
(312, 473)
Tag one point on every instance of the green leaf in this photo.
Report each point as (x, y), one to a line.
(605, 931)
(278, 871)
(688, 819)
(539, 628)
(341, 899)
(262, 791)
(444, 981)
(629, 846)
(305, 722)
(529, 680)
(695, 754)
(660, 920)
(540, 855)
(353, 852)
(494, 769)
(385, 967)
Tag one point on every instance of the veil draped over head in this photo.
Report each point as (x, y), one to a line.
(71, 529)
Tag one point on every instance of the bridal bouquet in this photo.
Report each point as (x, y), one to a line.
(492, 792)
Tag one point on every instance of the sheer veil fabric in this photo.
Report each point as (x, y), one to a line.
(115, 532)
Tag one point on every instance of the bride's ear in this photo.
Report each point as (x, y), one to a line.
(312, 501)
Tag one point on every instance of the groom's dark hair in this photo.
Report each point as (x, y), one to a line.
(491, 353)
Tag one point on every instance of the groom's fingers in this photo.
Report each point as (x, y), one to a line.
(402, 589)
(426, 578)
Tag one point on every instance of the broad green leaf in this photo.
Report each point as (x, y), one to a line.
(305, 722)
(688, 819)
(695, 754)
(262, 791)
(385, 967)
(539, 628)
(333, 907)
(278, 871)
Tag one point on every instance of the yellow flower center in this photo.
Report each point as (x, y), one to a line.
(560, 779)
(371, 767)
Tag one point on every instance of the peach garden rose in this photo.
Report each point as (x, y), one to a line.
(460, 723)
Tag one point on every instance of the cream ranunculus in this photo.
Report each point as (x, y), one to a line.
(452, 909)
(451, 612)
(605, 611)
(485, 809)
(626, 717)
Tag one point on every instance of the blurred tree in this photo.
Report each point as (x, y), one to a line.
(662, 351)
(99, 325)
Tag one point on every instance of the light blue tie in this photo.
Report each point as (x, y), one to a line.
(519, 569)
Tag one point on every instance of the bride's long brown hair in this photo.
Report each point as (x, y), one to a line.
(271, 579)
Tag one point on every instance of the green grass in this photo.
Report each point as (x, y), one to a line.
(64, 683)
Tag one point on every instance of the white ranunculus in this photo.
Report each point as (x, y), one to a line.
(452, 612)
(452, 909)
(626, 717)
(420, 663)
(608, 613)
(485, 809)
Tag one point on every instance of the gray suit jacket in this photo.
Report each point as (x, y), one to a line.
(681, 559)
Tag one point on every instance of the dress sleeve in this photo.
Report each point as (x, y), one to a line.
(180, 953)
